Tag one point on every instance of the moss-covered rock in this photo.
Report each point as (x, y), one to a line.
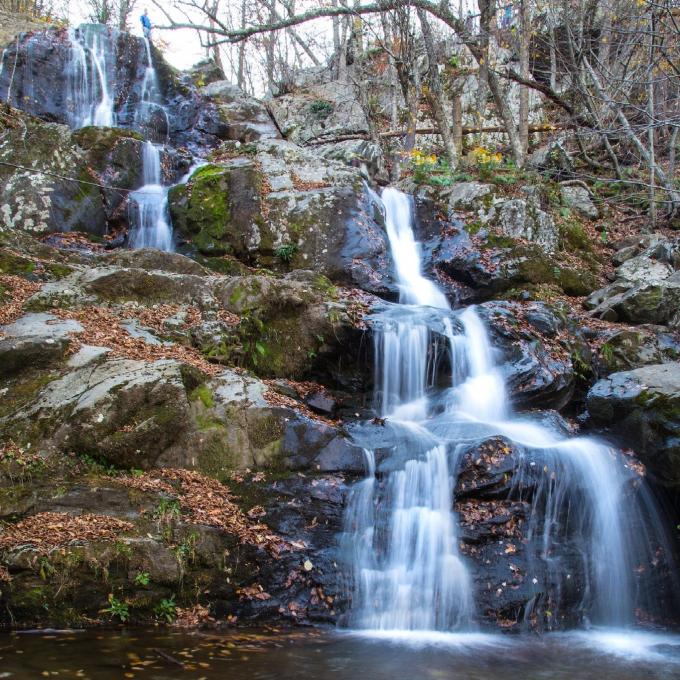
(200, 210)
(53, 182)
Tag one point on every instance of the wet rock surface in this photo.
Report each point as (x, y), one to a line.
(640, 407)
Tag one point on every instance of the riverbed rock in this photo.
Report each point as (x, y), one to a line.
(540, 352)
(642, 408)
(35, 340)
(624, 349)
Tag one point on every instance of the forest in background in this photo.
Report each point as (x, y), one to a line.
(604, 71)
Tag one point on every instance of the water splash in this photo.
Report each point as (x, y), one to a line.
(401, 531)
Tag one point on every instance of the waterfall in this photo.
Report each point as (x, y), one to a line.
(401, 533)
(149, 225)
(150, 114)
(89, 77)
(149, 216)
(408, 572)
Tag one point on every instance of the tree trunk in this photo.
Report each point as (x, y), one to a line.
(436, 94)
(524, 40)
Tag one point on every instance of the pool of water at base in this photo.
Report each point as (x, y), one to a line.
(311, 654)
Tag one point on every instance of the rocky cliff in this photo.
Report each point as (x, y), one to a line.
(177, 427)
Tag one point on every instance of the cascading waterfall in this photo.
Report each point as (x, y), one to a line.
(89, 77)
(150, 227)
(417, 581)
(149, 216)
(90, 83)
(401, 531)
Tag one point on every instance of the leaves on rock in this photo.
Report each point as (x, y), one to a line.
(48, 530)
(14, 291)
(102, 329)
(205, 501)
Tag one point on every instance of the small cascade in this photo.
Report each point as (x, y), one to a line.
(149, 225)
(89, 77)
(150, 114)
(401, 536)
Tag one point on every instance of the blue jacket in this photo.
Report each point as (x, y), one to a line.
(146, 22)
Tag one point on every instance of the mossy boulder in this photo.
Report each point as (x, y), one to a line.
(123, 411)
(284, 208)
(215, 207)
(53, 181)
(642, 408)
(628, 348)
(485, 264)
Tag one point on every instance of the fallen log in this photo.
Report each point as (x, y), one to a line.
(431, 131)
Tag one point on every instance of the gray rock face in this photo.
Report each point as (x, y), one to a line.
(127, 412)
(646, 289)
(36, 341)
(522, 219)
(579, 199)
(642, 408)
(553, 157)
(328, 109)
(469, 195)
(246, 118)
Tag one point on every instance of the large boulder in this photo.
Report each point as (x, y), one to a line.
(646, 288)
(329, 109)
(579, 199)
(54, 182)
(642, 408)
(246, 119)
(475, 263)
(624, 349)
(540, 352)
(284, 208)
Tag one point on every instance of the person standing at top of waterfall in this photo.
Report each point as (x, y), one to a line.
(506, 20)
(146, 24)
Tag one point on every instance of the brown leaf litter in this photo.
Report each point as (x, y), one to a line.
(205, 501)
(19, 291)
(48, 530)
(102, 328)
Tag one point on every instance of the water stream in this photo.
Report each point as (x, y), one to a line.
(401, 530)
(91, 82)
(90, 75)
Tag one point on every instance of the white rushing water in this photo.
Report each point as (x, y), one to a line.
(149, 223)
(401, 530)
(89, 75)
(150, 113)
